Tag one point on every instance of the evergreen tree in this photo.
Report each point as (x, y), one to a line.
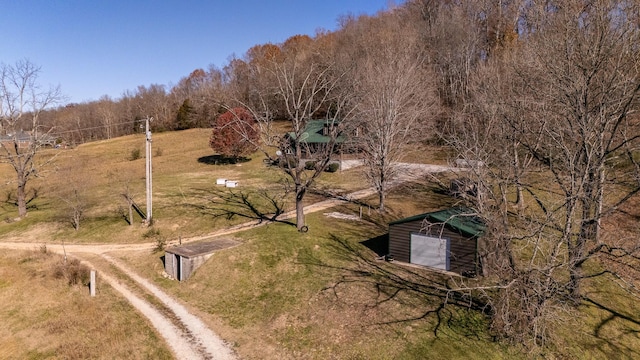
(184, 118)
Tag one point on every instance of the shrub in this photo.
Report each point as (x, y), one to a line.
(288, 162)
(310, 165)
(151, 234)
(73, 271)
(161, 244)
(333, 167)
(161, 241)
(135, 154)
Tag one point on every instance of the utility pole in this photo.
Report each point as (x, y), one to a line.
(149, 172)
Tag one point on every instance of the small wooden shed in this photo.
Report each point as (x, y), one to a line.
(446, 240)
(181, 261)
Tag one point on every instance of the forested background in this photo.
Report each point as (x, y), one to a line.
(447, 40)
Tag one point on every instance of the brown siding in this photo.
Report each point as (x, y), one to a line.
(400, 239)
(462, 248)
(463, 253)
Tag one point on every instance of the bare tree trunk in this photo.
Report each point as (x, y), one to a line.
(393, 93)
(21, 199)
(300, 224)
(516, 169)
(304, 89)
(589, 219)
(130, 213)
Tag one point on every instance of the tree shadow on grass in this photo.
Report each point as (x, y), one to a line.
(610, 345)
(426, 293)
(227, 203)
(31, 195)
(222, 160)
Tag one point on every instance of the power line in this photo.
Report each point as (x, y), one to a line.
(98, 127)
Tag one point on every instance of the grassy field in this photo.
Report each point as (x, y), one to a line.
(43, 317)
(320, 295)
(99, 173)
(280, 294)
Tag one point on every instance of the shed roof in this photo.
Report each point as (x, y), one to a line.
(459, 218)
(201, 248)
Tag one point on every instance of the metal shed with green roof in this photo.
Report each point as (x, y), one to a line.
(446, 240)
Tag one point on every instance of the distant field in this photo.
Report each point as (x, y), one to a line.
(101, 172)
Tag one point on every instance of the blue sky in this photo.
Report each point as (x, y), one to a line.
(93, 48)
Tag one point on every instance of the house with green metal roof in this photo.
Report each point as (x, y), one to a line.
(315, 138)
(445, 240)
(318, 132)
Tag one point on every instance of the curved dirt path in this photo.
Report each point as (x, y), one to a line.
(187, 336)
(193, 340)
(174, 336)
(406, 172)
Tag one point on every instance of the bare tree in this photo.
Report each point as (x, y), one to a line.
(154, 101)
(75, 206)
(21, 103)
(454, 39)
(393, 93)
(304, 85)
(105, 109)
(565, 101)
(584, 80)
(199, 93)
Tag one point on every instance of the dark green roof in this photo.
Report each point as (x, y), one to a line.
(461, 219)
(313, 132)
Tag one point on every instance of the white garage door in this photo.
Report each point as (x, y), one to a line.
(430, 251)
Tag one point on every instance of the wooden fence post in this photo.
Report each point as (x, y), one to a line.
(92, 283)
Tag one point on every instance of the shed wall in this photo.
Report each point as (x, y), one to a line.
(197, 261)
(400, 239)
(169, 265)
(463, 251)
(186, 267)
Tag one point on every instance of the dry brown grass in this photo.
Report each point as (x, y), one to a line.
(102, 173)
(44, 317)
